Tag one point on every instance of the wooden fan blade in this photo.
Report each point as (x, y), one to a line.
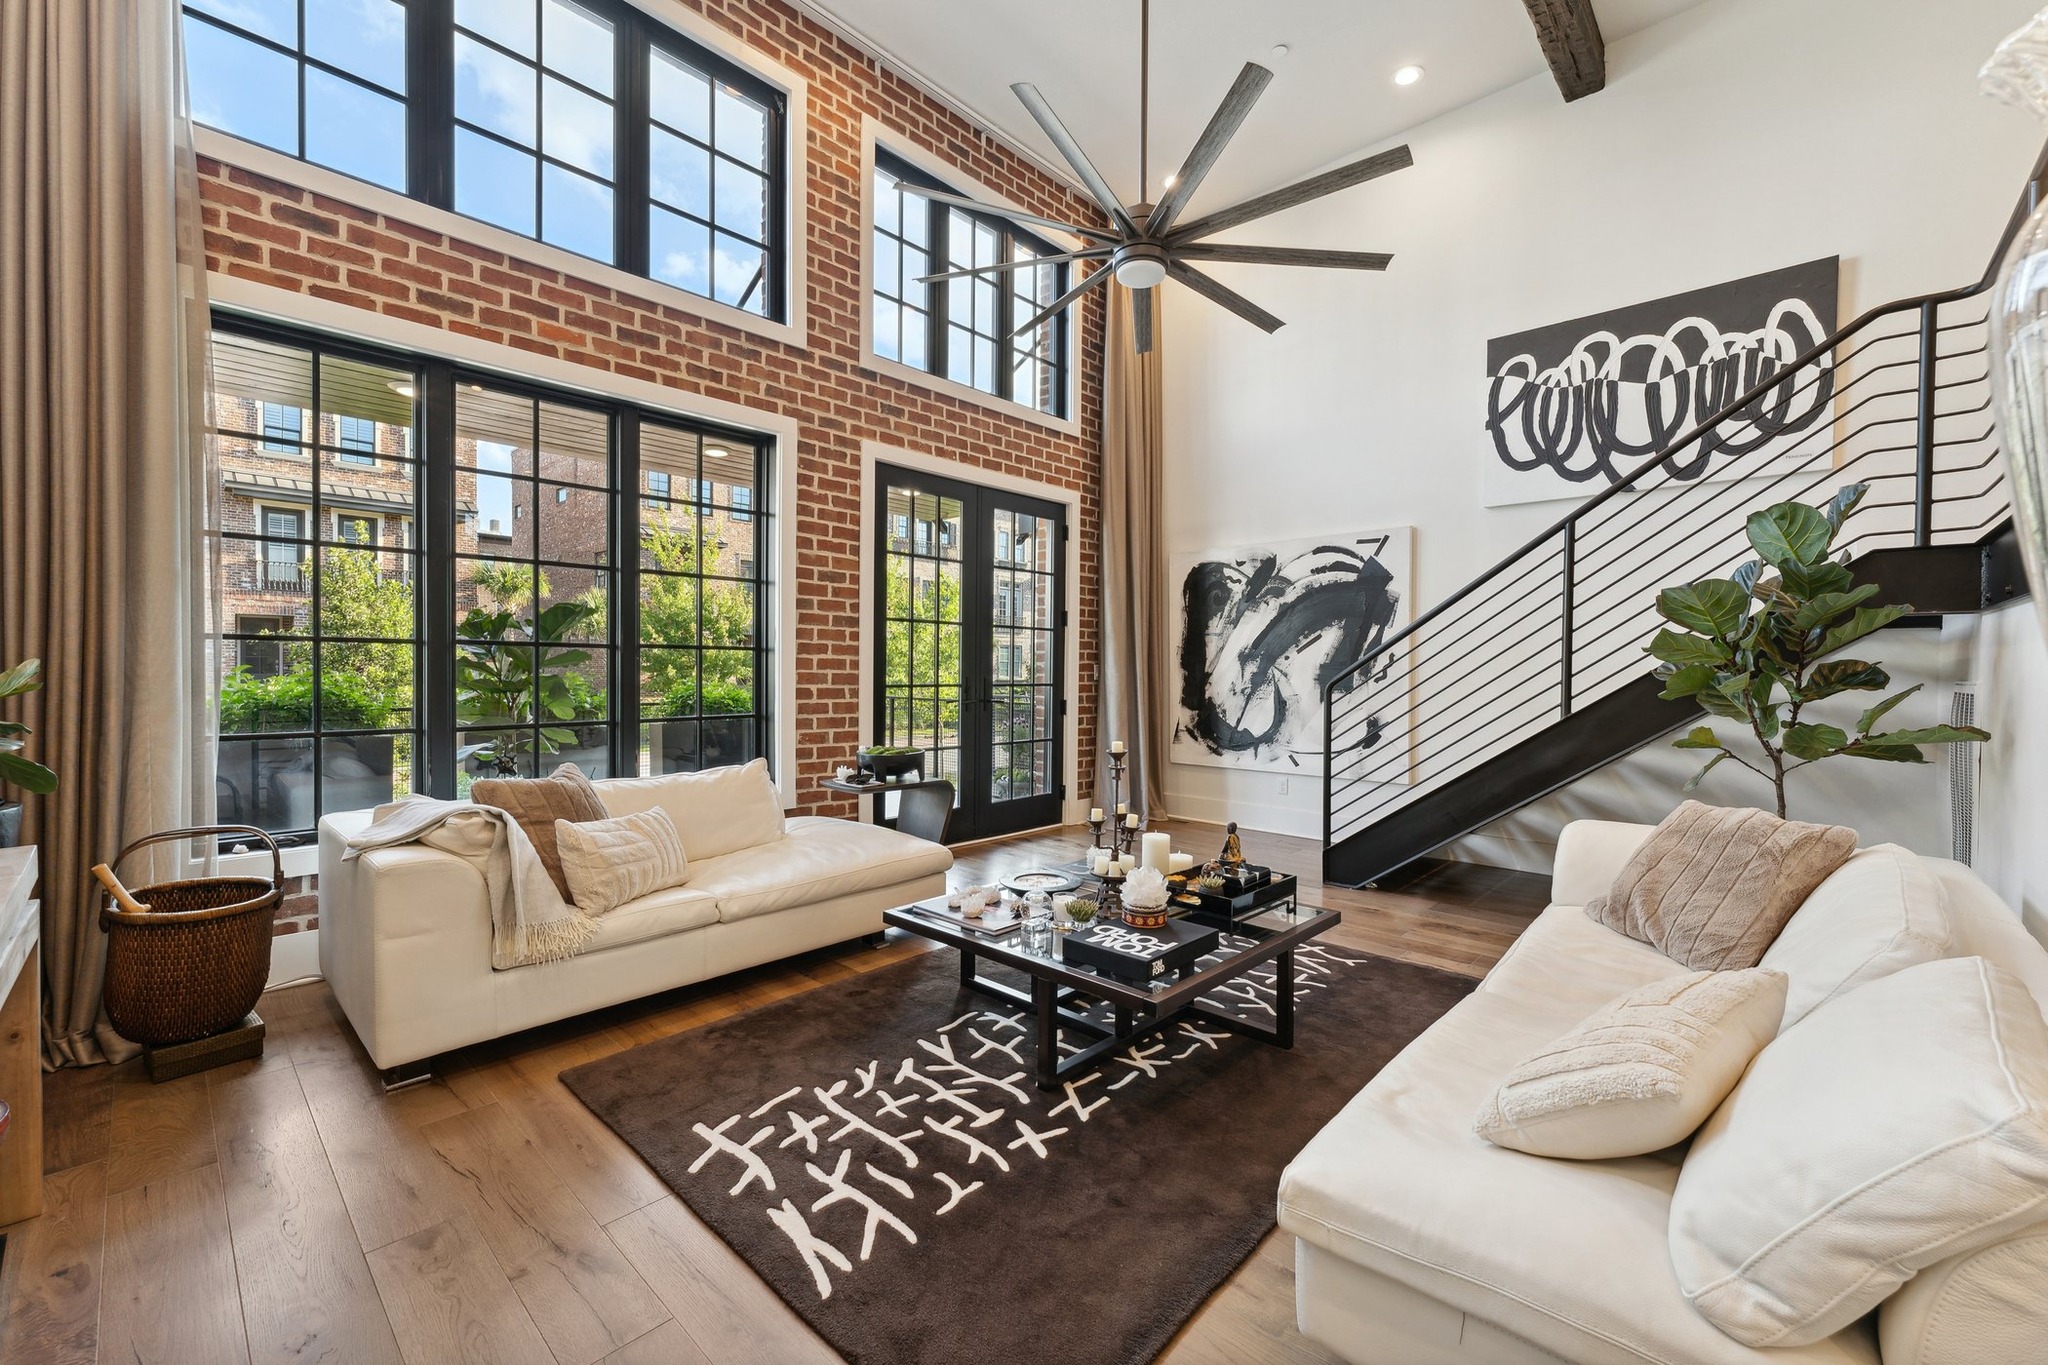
(1014, 215)
(1052, 310)
(1228, 298)
(1141, 319)
(1230, 116)
(1094, 253)
(1301, 192)
(1048, 121)
(1285, 255)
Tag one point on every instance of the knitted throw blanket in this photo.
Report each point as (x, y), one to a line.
(530, 922)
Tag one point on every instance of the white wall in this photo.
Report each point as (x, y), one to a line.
(1738, 137)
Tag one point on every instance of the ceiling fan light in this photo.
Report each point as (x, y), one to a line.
(1408, 75)
(1142, 272)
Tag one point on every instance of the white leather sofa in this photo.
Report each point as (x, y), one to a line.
(1418, 1243)
(405, 931)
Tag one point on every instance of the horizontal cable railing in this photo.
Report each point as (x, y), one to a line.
(1903, 398)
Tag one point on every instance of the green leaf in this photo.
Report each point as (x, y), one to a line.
(1701, 775)
(1814, 741)
(1745, 575)
(30, 777)
(1674, 648)
(1824, 608)
(1866, 621)
(1885, 753)
(1712, 606)
(1812, 580)
(1877, 712)
(1932, 734)
(1767, 723)
(21, 678)
(1699, 737)
(1844, 675)
(1687, 682)
(1843, 503)
(1789, 533)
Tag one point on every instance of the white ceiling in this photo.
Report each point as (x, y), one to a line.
(1333, 92)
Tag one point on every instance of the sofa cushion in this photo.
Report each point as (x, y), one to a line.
(536, 803)
(610, 862)
(1878, 913)
(1986, 1305)
(1642, 1073)
(1714, 885)
(1903, 1123)
(1576, 965)
(672, 911)
(717, 811)
(815, 860)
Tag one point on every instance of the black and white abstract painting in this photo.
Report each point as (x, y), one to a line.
(1579, 405)
(1264, 629)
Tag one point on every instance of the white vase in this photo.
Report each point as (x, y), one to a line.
(2018, 74)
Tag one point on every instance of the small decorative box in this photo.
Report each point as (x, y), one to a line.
(1139, 955)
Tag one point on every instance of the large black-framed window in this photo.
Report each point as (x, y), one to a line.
(960, 329)
(585, 124)
(509, 586)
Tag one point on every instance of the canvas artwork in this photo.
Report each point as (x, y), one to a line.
(1264, 629)
(1576, 406)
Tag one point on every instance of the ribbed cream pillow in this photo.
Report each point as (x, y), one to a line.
(1643, 1073)
(610, 862)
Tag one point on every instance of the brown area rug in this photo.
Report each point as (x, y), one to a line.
(876, 1150)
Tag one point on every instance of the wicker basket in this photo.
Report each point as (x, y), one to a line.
(192, 963)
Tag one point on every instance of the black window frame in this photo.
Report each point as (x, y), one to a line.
(429, 104)
(937, 294)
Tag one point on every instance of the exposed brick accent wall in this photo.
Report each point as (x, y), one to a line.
(281, 235)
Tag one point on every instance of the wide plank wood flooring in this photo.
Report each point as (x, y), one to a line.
(287, 1209)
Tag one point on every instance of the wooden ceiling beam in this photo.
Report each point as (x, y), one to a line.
(1570, 35)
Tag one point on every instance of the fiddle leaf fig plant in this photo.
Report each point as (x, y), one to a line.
(15, 770)
(1757, 648)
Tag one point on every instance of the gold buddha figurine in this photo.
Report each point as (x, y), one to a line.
(1231, 860)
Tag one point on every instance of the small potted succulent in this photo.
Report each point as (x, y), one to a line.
(15, 770)
(887, 762)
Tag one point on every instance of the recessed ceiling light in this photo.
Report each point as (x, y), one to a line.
(1172, 180)
(1408, 75)
(1279, 51)
(401, 387)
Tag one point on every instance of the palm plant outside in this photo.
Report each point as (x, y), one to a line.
(1761, 645)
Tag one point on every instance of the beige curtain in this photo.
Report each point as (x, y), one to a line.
(105, 537)
(1137, 613)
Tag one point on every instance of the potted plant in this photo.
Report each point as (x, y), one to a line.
(15, 770)
(496, 681)
(1761, 645)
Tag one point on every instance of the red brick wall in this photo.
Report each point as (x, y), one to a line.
(265, 230)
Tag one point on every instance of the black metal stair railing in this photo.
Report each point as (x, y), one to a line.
(1562, 621)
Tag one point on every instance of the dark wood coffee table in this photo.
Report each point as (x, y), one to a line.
(1137, 1010)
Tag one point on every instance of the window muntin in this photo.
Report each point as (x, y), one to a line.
(582, 123)
(960, 328)
(331, 91)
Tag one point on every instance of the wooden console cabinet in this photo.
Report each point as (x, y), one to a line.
(21, 1037)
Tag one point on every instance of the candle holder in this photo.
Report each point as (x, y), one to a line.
(1123, 838)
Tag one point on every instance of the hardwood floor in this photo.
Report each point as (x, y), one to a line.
(286, 1209)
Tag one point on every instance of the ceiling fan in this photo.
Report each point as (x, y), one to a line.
(1147, 242)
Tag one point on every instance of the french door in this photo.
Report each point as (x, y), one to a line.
(971, 634)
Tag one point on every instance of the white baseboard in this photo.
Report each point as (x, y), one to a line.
(294, 957)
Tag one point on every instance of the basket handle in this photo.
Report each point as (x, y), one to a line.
(119, 892)
(276, 858)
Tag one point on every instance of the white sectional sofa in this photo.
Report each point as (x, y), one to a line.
(1418, 1243)
(405, 931)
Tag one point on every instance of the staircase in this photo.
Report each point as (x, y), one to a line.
(1533, 674)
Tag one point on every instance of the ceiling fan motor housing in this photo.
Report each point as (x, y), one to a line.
(1140, 265)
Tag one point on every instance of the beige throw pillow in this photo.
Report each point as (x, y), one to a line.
(1713, 885)
(1899, 1125)
(1643, 1073)
(717, 811)
(537, 803)
(610, 862)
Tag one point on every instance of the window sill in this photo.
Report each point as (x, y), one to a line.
(306, 175)
(966, 393)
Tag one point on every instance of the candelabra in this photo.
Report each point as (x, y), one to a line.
(1123, 828)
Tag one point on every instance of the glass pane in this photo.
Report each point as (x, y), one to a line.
(668, 609)
(668, 682)
(888, 268)
(358, 772)
(736, 277)
(888, 202)
(260, 389)
(742, 128)
(679, 251)
(494, 91)
(575, 127)
(575, 445)
(916, 338)
(487, 586)
(728, 682)
(494, 753)
(366, 687)
(355, 130)
(277, 20)
(366, 38)
(266, 782)
(680, 96)
(573, 524)
(577, 43)
(506, 22)
(679, 173)
(494, 430)
(360, 596)
(576, 213)
(242, 88)
(576, 604)
(888, 319)
(742, 200)
(728, 742)
(494, 182)
(959, 352)
(588, 747)
(670, 746)
(494, 511)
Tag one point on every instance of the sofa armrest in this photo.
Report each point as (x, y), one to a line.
(1590, 855)
(405, 944)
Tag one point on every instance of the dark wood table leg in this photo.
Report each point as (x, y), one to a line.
(1283, 1005)
(1045, 998)
(1123, 1021)
(966, 968)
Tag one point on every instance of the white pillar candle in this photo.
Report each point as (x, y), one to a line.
(1126, 862)
(1102, 864)
(1116, 746)
(1179, 862)
(1095, 815)
(1122, 807)
(1155, 850)
(1131, 820)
